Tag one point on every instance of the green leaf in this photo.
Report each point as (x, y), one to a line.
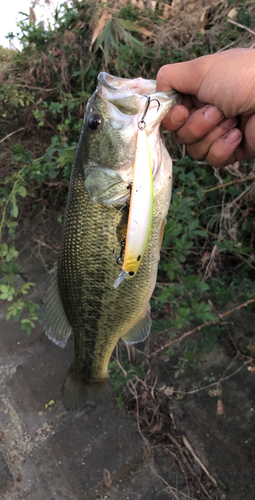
(107, 39)
(201, 233)
(11, 224)
(3, 251)
(21, 190)
(25, 287)
(14, 209)
(193, 225)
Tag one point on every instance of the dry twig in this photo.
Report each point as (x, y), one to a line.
(12, 133)
(241, 26)
(153, 417)
(198, 328)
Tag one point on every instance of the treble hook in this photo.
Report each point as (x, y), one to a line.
(141, 123)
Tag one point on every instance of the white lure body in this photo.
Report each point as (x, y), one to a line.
(140, 212)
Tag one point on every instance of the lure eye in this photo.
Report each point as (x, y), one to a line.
(94, 122)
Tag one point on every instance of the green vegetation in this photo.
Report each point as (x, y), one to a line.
(121, 374)
(207, 259)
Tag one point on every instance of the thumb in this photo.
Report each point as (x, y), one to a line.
(179, 76)
(184, 77)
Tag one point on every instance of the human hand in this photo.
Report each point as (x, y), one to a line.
(217, 117)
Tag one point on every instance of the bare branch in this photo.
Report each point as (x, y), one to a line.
(198, 328)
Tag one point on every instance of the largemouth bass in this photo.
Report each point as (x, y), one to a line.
(80, 297)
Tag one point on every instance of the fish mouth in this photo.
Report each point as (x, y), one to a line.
(129, 97)
(128, 103)
(122, 93)
(138, 86)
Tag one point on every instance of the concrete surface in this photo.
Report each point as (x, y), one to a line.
(47, 453)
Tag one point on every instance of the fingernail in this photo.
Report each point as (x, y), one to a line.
(213, 114)
(233, 136)
(230, 123)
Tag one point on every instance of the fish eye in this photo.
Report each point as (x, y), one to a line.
(94, 122)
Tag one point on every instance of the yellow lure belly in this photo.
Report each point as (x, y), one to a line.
(140, 212)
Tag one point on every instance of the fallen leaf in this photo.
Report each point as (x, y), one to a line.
(251, 369)
(234, 169)
(166, 12)
(232, 13)
(162, 388)
(216, 392)
(107, 478)
(220, 407)
(152, 5)
(50, 403)
(169, 391)
(251, 347)
(138, 3)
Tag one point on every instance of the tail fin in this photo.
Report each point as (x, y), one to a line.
(76, 394)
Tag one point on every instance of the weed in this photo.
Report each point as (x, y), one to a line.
(121, 374)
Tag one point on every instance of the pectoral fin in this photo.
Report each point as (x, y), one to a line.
(141, 330)
(55, 322)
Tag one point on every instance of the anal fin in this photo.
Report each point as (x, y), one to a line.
(140, 331)
(55, 322)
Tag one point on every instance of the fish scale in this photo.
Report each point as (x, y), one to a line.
(80, 297)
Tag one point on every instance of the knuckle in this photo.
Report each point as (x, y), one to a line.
(218, 154)
(216, 161)
(182, 137)
(197, 133)
(196, 153)
(162, 72)
(177, 137)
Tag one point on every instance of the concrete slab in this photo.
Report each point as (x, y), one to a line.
(6, 479)
(50, 454)
(47, 453)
